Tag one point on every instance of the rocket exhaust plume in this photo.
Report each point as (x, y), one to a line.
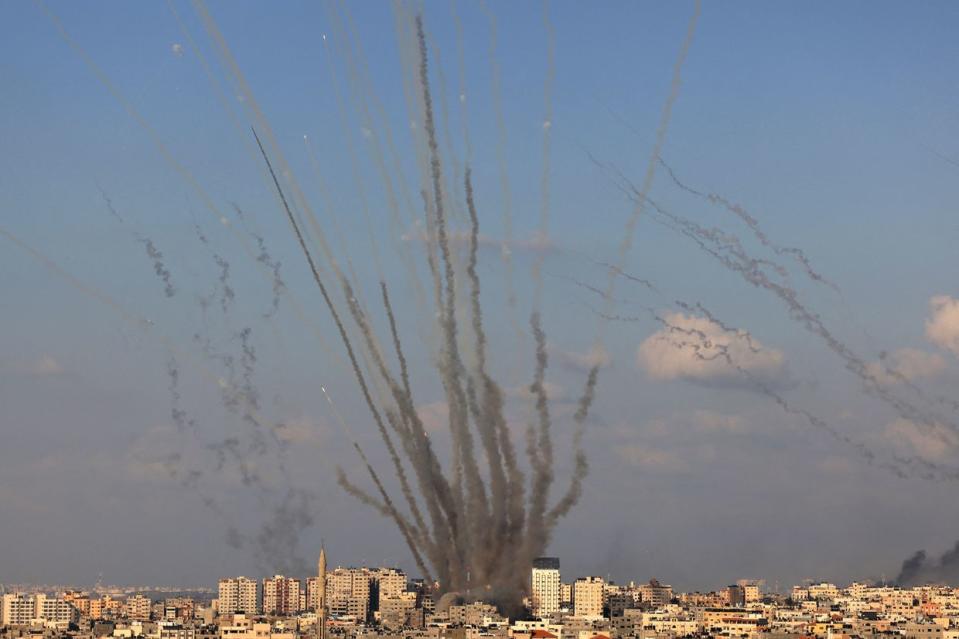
(471, 523)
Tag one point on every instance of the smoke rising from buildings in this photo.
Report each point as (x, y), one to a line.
(920, 568)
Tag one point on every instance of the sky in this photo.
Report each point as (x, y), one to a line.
(832, 126)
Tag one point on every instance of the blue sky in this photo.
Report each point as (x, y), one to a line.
(827, 122)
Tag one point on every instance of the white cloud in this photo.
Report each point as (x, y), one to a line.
(651, 459)
(935, 443)
(435, 416)
(597, 355)
(696, 349)
(906, 364)
(177, 49)
(712, 422)
(45, 366)
(697, 422)
(942, 328)
(300, 431)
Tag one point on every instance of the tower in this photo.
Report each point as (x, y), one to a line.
(545, 586)
(321, 603)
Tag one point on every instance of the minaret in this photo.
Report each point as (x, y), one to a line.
(321, 597)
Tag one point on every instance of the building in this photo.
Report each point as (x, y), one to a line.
(477, 614)
(174, 630)
(348, 593)
(138, 608)
(399, 611)
(735, 596)
(22, 609)
(18, 609)
(655, 594)
(588, 597)
(238, 595)
(545, 586)
(281, 596)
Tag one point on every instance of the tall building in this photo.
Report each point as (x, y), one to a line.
(588, 597)
(348, 592)
(545, 586)
(239, 595)
(390, 583)
(281, 595)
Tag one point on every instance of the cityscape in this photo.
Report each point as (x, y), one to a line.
(371, 602)
(479, 319)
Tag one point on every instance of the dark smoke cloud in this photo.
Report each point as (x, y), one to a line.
(921, 569)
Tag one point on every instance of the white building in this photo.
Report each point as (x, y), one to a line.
(18, 609)
(545, 586)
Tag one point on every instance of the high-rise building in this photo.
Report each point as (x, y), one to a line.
(390, 583)
(348, 592)
(239, 595)
(281, 595)
(588, 597)
(545, 586)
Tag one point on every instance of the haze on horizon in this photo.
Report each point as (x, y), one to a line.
(742, 216)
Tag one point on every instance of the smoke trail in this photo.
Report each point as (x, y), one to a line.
(580, 463)
(507, 494)
(433, 486)
(461, 69)
(797, 254)
(539, 448)
(229, 449)
(544, 177)
(158, 267)
(181, 420)
(153, 253)
(501, 137)
(729, 252)
(630, 230)
(707, 349)
(476, 493)
(278, 286)
(397, 517)
(227, 294)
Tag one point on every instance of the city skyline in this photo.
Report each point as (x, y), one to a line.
(665, 290)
